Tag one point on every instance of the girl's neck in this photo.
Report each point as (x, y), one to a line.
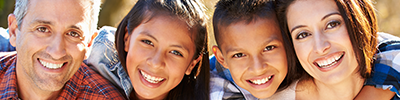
(344, 90)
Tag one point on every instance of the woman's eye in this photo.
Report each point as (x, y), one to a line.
(269, 48)
(332, 24)
(238, 55)
(74, 34)
(42, 29)
(176, 53)
(148, 42)
(302, 35)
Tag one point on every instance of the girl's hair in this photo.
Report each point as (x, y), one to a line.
(192, 12)
(361, 23)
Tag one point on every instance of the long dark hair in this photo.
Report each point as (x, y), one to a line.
(192, 12)
(361, 23)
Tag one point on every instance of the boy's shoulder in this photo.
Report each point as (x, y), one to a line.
(222, 85)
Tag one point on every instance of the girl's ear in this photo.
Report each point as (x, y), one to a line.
(218, 55)
(193, 64)
(126, 40)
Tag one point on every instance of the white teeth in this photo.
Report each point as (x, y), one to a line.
(151, 79)
(261, 81)
(329, 62)
(50, 65)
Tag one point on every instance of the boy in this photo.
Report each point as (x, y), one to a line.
(250, 45)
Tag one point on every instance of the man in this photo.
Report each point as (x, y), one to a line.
(51, 37)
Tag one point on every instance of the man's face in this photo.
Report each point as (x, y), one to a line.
(50, 42)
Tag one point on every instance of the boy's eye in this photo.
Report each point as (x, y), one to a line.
(176, 53)
(302, 35)
(42, 29)
(269, 48)
(238, 55)
(332, 24)
(74, 34)
(148, 42)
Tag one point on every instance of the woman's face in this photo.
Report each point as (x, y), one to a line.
(321, 40)
(160, 53)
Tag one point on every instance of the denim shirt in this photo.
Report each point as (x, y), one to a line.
(103, 58)
(4, 41)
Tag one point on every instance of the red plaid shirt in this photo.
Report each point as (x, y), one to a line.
(85, 84)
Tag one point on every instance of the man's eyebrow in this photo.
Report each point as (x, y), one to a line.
(75, 27)
(38, 21)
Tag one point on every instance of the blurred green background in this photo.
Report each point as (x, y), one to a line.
(114, 10)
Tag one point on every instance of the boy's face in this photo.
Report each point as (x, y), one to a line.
(254, 54)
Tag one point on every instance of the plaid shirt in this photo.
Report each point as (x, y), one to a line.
(385, 73)
(85, 84)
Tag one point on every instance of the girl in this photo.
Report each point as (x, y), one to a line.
(162, 45)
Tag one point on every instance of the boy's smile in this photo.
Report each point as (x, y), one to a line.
(254, 54)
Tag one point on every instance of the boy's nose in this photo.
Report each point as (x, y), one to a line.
(258, 65)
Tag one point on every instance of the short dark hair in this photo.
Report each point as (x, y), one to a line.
(229, 12)
(361, 23)
(193, 13)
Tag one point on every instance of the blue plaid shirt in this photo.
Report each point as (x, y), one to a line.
(385, 73)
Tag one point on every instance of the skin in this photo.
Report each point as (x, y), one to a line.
(319, 33)
(52, 31)
(161, 47)
(253, 51)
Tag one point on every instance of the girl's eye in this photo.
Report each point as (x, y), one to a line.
(148, 42)
(302, 35)
(74, 34)
(269, 48)
(332, 24)
(42, 29)
(176, 53)
(238, 55)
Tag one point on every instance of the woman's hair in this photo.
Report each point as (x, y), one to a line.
(192, 12)
(361, 23)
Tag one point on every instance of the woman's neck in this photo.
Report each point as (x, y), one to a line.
(344, 90)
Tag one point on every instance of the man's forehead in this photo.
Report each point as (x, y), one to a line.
(68, 13)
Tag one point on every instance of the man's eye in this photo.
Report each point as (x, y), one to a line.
(332, 24)
(269, 48)
(238, 55)
(74, 34)
(302, 35)
(176, 53)
(148, 42)
(42, 29)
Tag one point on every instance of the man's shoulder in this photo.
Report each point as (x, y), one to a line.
(91, 85)
(7, 59)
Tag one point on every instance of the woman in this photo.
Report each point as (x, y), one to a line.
(334, 41)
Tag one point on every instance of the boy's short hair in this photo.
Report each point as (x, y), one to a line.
(229, 12)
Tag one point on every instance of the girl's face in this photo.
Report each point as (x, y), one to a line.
(321, 40)
(160, 53)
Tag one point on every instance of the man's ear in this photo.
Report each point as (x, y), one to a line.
(218, 55)
(12, 29)
(126, 40)
(92, 38)
(193, 64)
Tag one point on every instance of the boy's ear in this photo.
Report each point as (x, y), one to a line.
(126, 40)
(12, 29)
(193, 64)
(218, 55)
